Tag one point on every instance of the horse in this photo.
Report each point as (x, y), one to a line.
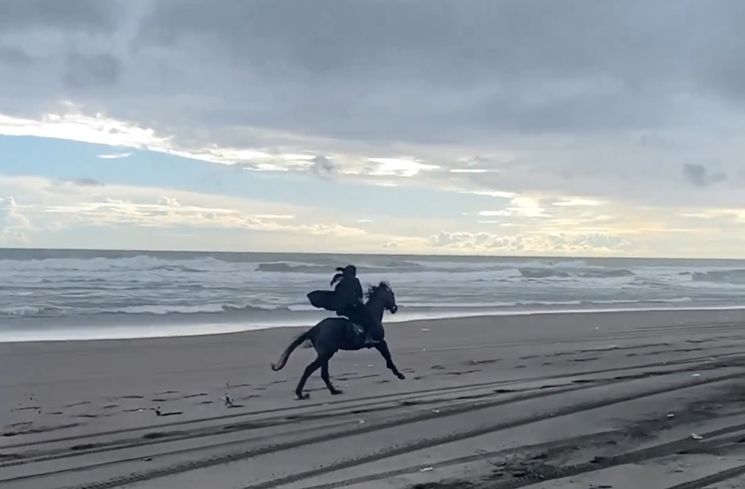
(334, 334)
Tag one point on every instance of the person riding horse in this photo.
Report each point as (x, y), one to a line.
(346, 301)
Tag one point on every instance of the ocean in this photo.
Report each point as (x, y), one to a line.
(82, 294)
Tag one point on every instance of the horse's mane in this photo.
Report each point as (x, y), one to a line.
(373, 289)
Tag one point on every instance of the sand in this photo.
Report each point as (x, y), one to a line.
(597, 400)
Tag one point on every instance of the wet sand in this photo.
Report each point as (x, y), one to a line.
(603, 400)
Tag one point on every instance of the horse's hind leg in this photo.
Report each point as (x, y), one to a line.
(327, 379)
(382, 347)
(312, 367)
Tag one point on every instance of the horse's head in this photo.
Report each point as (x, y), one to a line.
(385, 295)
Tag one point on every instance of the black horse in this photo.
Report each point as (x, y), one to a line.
(334, 334)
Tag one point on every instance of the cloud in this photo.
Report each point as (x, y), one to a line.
(401, 167)
(13, 224)
(168, 212)
(86, 182)
(91, 71)
(323, 166)
(522, 206)
(576, 202)
(531, 243)
(699, 175)
(591, 104)
(114, 156)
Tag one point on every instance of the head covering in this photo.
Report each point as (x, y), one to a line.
(348, 271)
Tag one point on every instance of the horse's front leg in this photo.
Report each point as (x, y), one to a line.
(382, 347)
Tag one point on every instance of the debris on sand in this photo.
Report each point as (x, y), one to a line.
(228, 400)
(427, 469)
(696, 436)
(158, 412)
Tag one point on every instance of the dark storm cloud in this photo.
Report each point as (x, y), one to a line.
(700, 176)
(90, 15)
(91, 71)
(585, 93)
(323, 167)
(420, 70)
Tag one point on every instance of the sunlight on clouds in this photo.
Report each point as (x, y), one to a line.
(13, 224)
(399, 167)
(490, 193)
(168, 212)
(530, 243)
(76, 126)
(519, 206)
(737, 215)
(577, 202)
(114, 156)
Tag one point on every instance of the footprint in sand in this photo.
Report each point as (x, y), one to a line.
(463, 372)
(481, 362)
(75, 404)
(191, 396)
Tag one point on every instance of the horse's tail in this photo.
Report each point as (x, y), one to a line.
(288, 351)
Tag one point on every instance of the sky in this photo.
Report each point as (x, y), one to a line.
(505, 127)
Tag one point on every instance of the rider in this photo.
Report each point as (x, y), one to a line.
(348, 300)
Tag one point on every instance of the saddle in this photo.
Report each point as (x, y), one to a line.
(356, 334)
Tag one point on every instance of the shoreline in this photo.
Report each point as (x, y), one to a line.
(197, 328)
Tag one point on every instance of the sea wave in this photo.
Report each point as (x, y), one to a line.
(563, 272)
(734, 276)
(258, 288)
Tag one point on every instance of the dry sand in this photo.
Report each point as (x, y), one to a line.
(603, 400)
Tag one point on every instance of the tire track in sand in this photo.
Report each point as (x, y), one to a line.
(419, 445)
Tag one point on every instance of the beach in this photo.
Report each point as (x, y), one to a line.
(606, 399)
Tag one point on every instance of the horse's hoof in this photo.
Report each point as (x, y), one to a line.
(401, 376)
(336, 392)
(302, 396)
